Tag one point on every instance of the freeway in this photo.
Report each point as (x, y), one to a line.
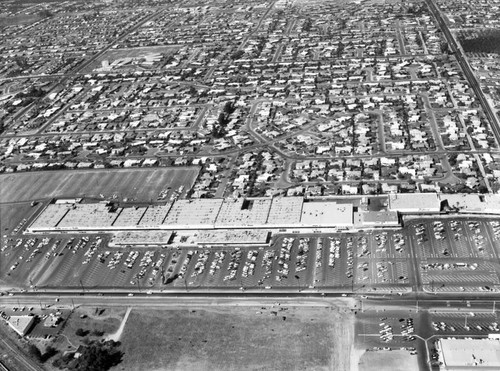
(462, 60)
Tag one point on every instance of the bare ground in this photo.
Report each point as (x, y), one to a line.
(236, 338)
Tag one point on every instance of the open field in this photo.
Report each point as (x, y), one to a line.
(135, 53)
(485, 42)
(135, 184)
(237, 338)
(97, 323)
(19, 19)
(396, 360)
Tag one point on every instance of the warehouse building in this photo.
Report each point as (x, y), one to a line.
(468, 354)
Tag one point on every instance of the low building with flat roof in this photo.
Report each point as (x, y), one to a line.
(193, 214)
(469, 354)
(285, 211)
(155, 215)
(379, 218)
(414, 203)
(243, 212)
(129, 217)
(88, 217)
(326, 214)
(473, 203)
(21, 324)
(233, 237)
(141, 238)
(50, 217)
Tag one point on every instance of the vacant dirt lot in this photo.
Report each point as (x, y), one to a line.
(238, 338)
(396, 360)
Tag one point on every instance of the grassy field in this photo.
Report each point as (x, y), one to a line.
(486, 42)
(138, 184)
(115, 54)
(105, 320)
(237, 338)
(19, 19)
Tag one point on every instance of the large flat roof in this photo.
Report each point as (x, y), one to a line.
(88, 216)
(196, 212)
(285, 211)
(244, 212)
(273, 213)
(414, 202)
(129, 216)
(155, 215)
(474, 203)
(326, 213)
(466, 354)
(380, 217)
(50, 216)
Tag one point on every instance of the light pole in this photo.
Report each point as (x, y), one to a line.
(298, 280)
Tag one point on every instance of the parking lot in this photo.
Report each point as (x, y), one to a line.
(457, 254)
(86, 261)
(391, 330)
(464, 323)
(451, 255)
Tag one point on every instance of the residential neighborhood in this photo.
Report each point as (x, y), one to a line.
(263, 97)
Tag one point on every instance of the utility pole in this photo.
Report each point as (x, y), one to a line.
(83, 288)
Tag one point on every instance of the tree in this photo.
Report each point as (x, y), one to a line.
(99, 356)
(35, 352)
(81, 332)
(49, 353)
(96, 356)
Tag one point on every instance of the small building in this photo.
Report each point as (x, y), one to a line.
(52, 320)
(234, 237)
(21, 324)
(380, 219)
